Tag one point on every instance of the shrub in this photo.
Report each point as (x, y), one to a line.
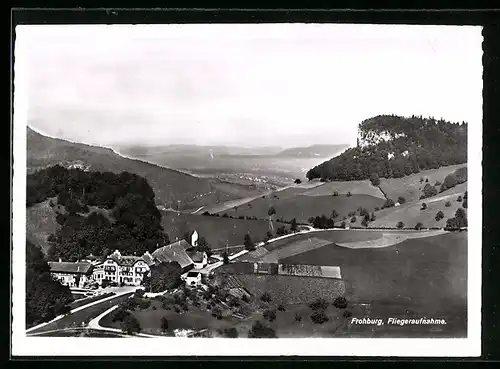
(340, 302)
(438, 183)
(281, 307)
(119, 314)
(373, 217)
(374, 179)
(401, 200)
(298, 181)
(154, 307)
(389, 203)
(230, 332)
(347, 314)
(343, 224)
(447, 204)
(349, 194)
(177, 309)
(459, 199)
(206, 213)
(464, 204)
(266, 297)
(269, 315)
(131, 325)
(164, 324)
(249, 245)
(419, 226)
(439, 215)
(353, 219)
(426, 180)
(225, 258)
(217, 312)
(225, 215)
(319, 304)
(400, 225)
(319, 317)
(377, 208)
(465, 195)
(364, 223)
(351, 213)
(424, 206)
(335, 193)
(260, 330)
(298, 317)
(428, 191)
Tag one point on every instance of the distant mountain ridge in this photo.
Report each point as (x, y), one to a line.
(172, 188)
(313, 151)
(392, 146)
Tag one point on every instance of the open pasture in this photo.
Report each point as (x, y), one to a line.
(343, 187)
(410, 186)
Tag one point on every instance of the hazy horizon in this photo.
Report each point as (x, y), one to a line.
(281, 85)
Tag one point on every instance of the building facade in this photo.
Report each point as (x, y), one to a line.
(128, 270)
(70, 274)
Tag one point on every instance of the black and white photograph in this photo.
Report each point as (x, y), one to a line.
(247, 189)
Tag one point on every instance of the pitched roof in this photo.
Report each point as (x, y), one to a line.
(148, 259)
(68, 267)
(173, 252)
(125, 260)
(196, 256)
(193, 274)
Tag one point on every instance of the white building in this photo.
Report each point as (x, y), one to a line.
(193, 279)
(71, 274)
(118, 268)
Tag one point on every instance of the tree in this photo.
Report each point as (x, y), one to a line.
(298, 181)
(449, 182)
(266, 297)
(225, 257)
(335, 193)
(465, 195)
(424, 206)
(364, 222)
(131, 325)
(319, 317)
(400, 225)
(269, 314)
(249, 245)
(319, 304)
(401, 200)
(461, 217)
(447, 204)
(464, 204)
(293, 225)
(165, 276)
(374, 179)
(260, 330)
(373, 217)
(340, 302)
(439, 215)
(428, 191)
(46, 298)
(349, 194)
(389, 203)
(419, 226)
(269, 235)
(459, 199)
(164, 324)
(353, 219)
(343, 224)
(335, 215)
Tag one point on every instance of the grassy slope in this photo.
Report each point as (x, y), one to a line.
(425, 276)
(169, 185)
(355, 187)
(40, 223)
(302, 207)
(410, 187)
(410, 213)
(216, 230)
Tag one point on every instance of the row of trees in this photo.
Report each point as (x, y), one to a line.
(416, 144)
(45, 297)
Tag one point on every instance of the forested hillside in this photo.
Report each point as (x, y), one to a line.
(391, 146)
(102, 212)
(172, 188)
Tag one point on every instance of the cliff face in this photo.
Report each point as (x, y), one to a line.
(393, 146)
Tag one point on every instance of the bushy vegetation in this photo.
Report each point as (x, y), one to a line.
(319, 317)
(455, 178)
(260, 330)
(269, 314)
(165, 276)
(249, 245)
(429, 144)
(458, 221)
(439, 215)
(127, 198)
(428, 191)
(45, 298)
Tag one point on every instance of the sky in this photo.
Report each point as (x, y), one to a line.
(242, 85)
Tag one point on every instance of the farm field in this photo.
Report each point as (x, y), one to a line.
(354, 187)
(303, 207)
(426, 277)
(411, 214)
(287, 289)
(83, 316)
(410, 187)
(216, 230)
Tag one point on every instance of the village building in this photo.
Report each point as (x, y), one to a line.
(175, 252)
(200, 259)
(128, 270)
(193, 279)
(71, 274)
